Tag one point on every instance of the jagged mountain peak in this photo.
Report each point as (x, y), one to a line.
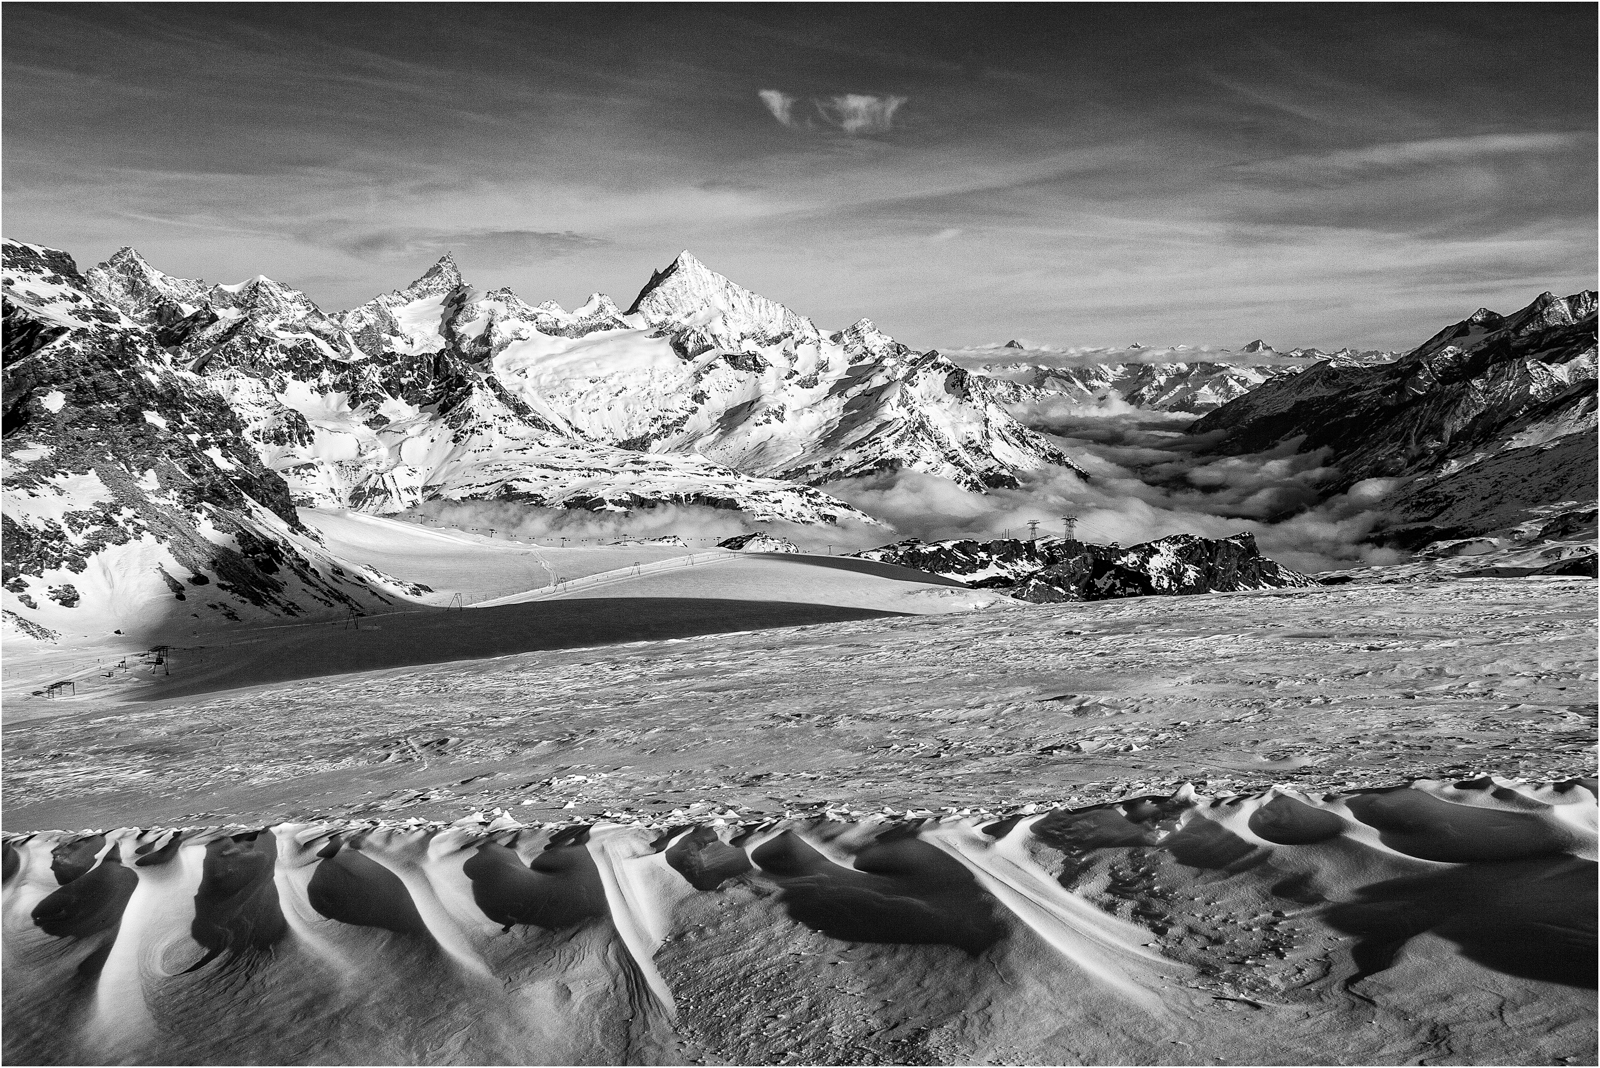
(1258, 346)
(264, 297)
(144, 293)
(688, 295)
(442, 277)
(506, 296)
(863, 336)
(128, 263)
(1549, 310)
(688, 261)
(1544, 312)
(597, 304)
(128, 255)
(685, 264)
(383, 323)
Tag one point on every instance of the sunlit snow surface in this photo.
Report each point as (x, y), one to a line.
(496, 835)
(1442, 921)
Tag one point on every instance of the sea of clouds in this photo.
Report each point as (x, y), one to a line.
(1147, 478)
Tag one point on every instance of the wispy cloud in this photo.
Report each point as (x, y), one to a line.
(504, 246)
(781, 105)
(854, 113)
(1426, 152)
(857, 113)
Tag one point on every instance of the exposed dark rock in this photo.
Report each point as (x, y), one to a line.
(1050, 569)
(148, 450)
(759, 542)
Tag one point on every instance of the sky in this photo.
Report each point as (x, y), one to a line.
(1075, 175)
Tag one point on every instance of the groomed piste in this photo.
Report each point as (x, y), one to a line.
(1437, 922)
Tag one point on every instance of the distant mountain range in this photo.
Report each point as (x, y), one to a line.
(701, 392)
(1181, 379)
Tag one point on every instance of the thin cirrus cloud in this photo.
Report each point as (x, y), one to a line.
(1430, 152)
(854, 113)
(504, 246)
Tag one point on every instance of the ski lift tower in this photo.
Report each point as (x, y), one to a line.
(1070, 523)
(1033, 530)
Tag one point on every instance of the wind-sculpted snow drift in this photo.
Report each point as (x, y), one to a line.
(1439, 921)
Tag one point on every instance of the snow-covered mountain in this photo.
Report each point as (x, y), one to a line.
(1484, 424)
(437, 390)
(701, 366)
(130, 485)
(392, 403)
(1053, 569)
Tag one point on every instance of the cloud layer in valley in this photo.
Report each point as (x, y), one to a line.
(700, 527)
(1147, 479)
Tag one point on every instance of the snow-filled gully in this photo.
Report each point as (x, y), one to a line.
(1136, 932)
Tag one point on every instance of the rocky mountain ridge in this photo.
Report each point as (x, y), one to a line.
(130, 485)
(1474, 431)
(1047, 570)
